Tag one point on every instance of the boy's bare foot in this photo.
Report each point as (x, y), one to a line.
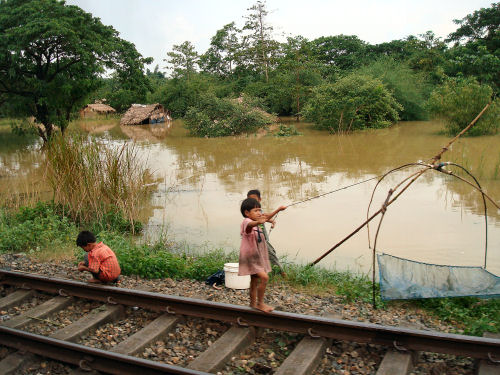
(263, 307)
(95, 281)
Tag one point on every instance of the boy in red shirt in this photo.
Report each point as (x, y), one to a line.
(100, 260)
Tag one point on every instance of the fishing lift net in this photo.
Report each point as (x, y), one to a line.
(401, 278)
(406, 279)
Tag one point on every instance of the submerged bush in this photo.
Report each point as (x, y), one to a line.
(287, 131)
(459, 101)
(353, 102)
(214, 117)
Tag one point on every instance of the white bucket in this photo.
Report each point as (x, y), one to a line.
(232, 280)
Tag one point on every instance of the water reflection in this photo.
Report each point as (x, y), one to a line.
(438, 220)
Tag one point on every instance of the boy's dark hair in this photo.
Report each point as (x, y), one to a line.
(84, 238)
(248, 204)
(254, 192)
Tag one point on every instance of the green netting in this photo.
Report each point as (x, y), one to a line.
(406, 279)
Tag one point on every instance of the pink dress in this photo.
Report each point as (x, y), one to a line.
(253, 254)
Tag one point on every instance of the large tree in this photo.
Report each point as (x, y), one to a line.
(52, 56)
(476, 51)
(222, 56)
(483, 24)
(296, 74)
(259, 43)
(183, 60)
(340, 52)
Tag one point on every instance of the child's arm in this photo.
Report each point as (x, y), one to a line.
(254, 223)
(82, 267)
(272, 214)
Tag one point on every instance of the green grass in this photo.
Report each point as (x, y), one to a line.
(326, 281)
(46, 225)
(471, 314)
(162, 259)
(31, 229)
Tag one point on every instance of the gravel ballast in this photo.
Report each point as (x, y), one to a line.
(193, 336)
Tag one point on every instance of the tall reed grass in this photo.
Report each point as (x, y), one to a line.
(27, 193)
(485, 165)
(92, 178)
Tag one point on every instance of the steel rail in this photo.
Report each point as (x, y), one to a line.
(85, 357)
(400, 338)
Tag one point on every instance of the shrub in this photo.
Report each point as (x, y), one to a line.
(349, 285)
(409, 88)
(459, 101)
(287, 131)
(34, 228)
(214, 117)
(353, 102)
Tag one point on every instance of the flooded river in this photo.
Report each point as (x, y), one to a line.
(438, 220)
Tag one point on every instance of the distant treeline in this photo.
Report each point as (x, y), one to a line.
(339, 82)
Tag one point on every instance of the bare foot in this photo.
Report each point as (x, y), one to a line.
(264, 307)
(95, 281)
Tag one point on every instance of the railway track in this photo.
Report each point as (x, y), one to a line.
(155, 323)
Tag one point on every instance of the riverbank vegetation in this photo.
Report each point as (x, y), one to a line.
(49, 69)
(288, 77)
(46, 232)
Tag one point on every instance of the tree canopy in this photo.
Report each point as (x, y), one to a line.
(52, 56)
(476, 52)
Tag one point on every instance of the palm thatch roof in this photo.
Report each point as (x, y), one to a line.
(99, 108)
(142, 114)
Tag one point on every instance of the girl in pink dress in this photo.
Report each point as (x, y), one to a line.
(254, 259)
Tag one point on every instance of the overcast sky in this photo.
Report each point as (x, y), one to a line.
(154, 26)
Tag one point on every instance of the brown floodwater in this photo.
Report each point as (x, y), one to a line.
(439, 219)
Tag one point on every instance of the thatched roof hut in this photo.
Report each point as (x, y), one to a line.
(96, 109)
(144, 114)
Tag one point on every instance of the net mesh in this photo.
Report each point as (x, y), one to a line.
(406, 279)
